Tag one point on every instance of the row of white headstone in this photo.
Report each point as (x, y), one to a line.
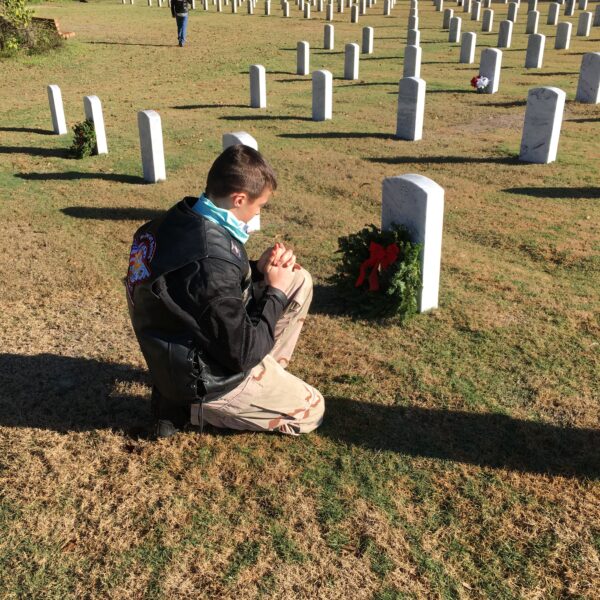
(544, 106)
(491, 58)
(543, 115)
(536, 42)
(149, 126)
(356, 9)
(585, 22)
(322, 92)
(360, 8)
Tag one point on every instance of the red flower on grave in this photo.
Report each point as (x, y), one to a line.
(380, 258)
(474, 81)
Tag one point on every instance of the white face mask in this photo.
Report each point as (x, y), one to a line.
(252, 225)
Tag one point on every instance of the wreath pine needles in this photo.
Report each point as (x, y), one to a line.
(84, 142)
(399, 282)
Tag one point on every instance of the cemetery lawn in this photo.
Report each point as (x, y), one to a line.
(459, 456)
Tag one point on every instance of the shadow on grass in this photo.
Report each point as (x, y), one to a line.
(367, 83)
(65, 394)
(484, 439)
(265, 118)
(270, 72)
(402, 160)
(336, 135)
(380, 58)
(586, 120)
(199, 106)
(554, 74)
(507, 104)
(111, 214)
(28, 130)
(458, 91)
(134, 44)
(33, 151)
(71, 175)
(556, 192)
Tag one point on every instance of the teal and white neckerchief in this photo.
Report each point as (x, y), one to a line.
(223, 217)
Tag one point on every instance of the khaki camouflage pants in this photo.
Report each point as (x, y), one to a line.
(270, 398)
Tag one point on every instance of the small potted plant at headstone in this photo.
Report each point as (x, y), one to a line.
(380, 272)
(84, 142)
(480, 83)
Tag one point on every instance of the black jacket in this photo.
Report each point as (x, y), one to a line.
(180, 7)
(192, 306)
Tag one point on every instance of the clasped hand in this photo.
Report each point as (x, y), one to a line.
(278, 264)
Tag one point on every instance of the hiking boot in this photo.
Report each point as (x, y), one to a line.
(169, 418)
(165, 429)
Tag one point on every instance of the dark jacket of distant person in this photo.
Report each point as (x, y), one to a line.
(179, 8)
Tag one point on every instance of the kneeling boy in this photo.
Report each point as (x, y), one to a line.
(217, 330)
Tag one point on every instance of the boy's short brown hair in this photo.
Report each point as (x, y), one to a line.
(240, 168)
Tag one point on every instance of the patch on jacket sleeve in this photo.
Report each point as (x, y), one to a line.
(142, 251)
(235, 250)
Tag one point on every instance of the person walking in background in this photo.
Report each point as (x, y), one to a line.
(180, 10)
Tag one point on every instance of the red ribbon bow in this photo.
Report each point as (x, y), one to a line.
(379, 258)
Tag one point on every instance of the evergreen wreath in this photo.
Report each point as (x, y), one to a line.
(380, 271)
(84, 143)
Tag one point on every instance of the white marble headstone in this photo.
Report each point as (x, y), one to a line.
(487, 24)
(258, 86)
(490, 65)
(93, 112)
(367, 40)
(322, 95)
(533, 18)
(351, 61)
(563, 36)
(411, 109)
(505, 34)
(543, 120)
(151, 146)
(302, 58)
(534, 57)
(417, 203)
(57, 112)
(584, 24)
(553, 12)
(467, 47)
(328, 37)
(455, 25)
(412, 61)
(447, 16)
(588, 87)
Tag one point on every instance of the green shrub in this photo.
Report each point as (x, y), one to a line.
(84, 143)
(20, 31)
(16, 13)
